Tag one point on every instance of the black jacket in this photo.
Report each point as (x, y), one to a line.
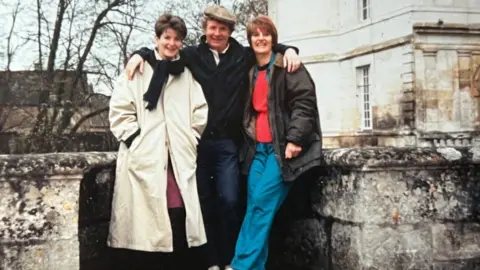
(225, 86)
(293, 117)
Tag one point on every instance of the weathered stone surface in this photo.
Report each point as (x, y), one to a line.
(426, 187)
(63, 254)
(346, 247)
(304, 246)
(390, 158)
(473, 264)
(45, 255)
(395, 196)
(406, 246)
(40, 207)
(32, 212)
(27, 256)
(456, 241)
(371, 209)
(338, 195)
(456, 193)
(449, 153)
(59, 165)
(374, 197)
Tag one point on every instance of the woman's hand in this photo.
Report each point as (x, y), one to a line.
(292, 150)
(136, 61)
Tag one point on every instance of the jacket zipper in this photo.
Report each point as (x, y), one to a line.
(271, 119)
(248, 115)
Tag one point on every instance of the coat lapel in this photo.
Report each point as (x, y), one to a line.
(170, 79)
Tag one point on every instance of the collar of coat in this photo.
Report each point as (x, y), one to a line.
(278, 60)
(278, 63)
(161, 71)
(232, 43)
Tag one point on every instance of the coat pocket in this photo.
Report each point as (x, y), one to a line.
(135, 143)
(308, 154)
(121, 157)
(145, 173)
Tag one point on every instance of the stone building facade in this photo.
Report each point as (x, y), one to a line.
(42, 112)
(389, 73)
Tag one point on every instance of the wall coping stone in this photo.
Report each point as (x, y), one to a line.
(54, 164)
(365, 159)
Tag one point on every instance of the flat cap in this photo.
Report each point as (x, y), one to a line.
(220, 13)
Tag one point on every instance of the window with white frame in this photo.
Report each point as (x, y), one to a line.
(363, 9)
(363, 86)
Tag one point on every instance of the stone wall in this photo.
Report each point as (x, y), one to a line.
(54, 210)
(388, 209)
(377, 208)
(17, 143)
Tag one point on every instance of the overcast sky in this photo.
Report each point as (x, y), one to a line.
(26, 27)
(26, 24)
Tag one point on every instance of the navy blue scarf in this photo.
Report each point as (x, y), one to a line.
(161, 70)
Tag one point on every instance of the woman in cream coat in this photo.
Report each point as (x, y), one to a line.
(158, 117)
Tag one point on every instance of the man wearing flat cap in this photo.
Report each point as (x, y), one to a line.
(220, 64)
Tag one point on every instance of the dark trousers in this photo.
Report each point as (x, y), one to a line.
(217, 177)
(182, 257)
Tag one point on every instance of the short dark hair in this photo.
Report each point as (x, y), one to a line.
(231, 26)
(176, 23)
(265, 24)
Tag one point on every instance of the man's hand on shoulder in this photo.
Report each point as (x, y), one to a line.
(291, 60)
(136, 61)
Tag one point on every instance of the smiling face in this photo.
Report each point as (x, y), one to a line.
(168, 44)
(262, 34)
(217, 34)
(261, 42)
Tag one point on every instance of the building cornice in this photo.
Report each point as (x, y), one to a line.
(359, 51)
(448, 28)
(401, 12)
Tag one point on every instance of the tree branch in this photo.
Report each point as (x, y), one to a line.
(86, 117)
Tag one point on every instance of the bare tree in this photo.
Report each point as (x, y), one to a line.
(86, 36)
(245, 10)
(80, 47)
(11, 48)
(248, 9)
(39, 33)
(13, 44)
(192, 13)
(61, 9)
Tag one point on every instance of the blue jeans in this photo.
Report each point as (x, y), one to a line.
(217, 178)
(266, 191)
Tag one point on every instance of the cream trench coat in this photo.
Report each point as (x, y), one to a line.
(139, 218)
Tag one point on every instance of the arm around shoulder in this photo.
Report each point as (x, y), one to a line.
(282, 48)
(144, 52)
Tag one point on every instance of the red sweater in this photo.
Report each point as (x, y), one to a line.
(260, 105)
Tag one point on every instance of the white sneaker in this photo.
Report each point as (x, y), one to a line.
(228, 267)
(215, 267)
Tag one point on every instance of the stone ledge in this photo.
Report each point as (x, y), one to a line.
(53, 164)
(401, 158)
(447, 28)
(369, 209)
(64, 164)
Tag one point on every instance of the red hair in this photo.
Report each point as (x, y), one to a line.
(265, 25)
